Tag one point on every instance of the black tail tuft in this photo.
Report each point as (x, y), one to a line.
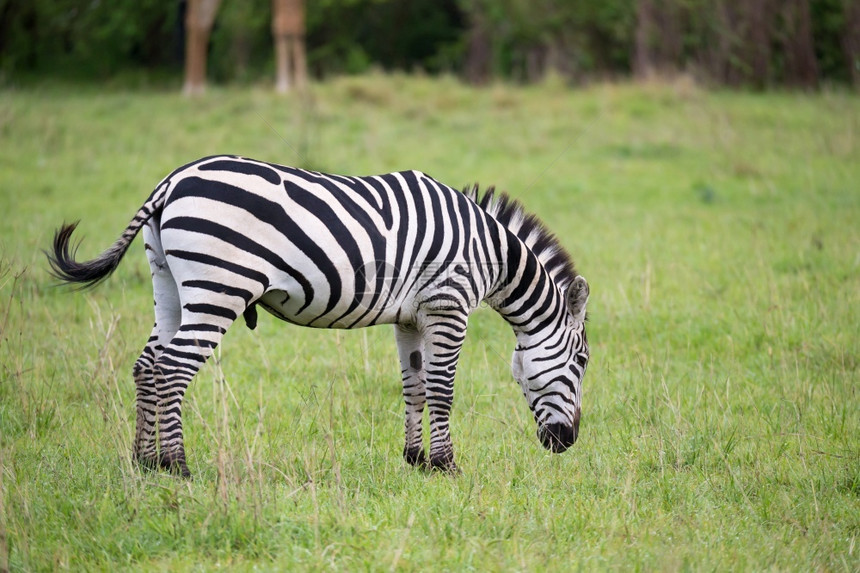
(87, 274)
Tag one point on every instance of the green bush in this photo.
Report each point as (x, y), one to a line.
(522, 39)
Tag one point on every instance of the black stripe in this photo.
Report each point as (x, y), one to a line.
(516, 252)
(211, 309)
(404, 218)
(553, 316)
(385, 211)
(189, 165)
(202, 327)
(266, 211)
(439, 230)
(240, 241)
(420, 214)
(219, 288)
(165, 360)
(221, 263)
(550, 357)
(193, 342)
(377, 240)
(552, 333)
(243, 167)
(361, 192)
(552, 406)
(342, 234)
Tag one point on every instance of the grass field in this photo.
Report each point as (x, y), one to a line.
(720, 234)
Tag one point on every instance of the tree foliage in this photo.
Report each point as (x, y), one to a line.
(755, 42)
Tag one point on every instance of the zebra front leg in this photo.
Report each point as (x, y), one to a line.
(410, 349)
(444, 332)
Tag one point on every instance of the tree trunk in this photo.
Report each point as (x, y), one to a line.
(480, 49)
(742, 52)
(851, 40)
(671, 39)
(801, 67)
(722, 45)
(643, 57)
(759, 25)
(198, 25)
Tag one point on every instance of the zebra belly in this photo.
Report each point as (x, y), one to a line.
(279, 303)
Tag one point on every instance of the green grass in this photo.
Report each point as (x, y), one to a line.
(720, 233)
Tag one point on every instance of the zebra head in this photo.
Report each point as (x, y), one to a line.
(550, 369)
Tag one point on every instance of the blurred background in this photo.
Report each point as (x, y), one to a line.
(753, 43)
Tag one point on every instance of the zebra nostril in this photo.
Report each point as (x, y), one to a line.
(557, 437)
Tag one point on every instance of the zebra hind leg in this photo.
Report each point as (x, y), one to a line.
(202, 327)
(145, 445)
(167, 319)
(192, 316)
(410, 349)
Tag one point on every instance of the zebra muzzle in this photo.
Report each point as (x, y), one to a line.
(558, 437)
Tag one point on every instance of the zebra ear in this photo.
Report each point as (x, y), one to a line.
(577, 297)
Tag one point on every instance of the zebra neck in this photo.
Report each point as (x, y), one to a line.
(526, 296)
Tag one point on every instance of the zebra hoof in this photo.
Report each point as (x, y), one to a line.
(174, 464)
(444, 463)
(415, 457)
(148, 464)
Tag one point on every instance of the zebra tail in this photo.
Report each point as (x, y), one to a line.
(88, 274)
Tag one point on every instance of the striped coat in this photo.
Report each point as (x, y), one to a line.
(226, 235)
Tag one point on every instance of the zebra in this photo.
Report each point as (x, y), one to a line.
(225, 235)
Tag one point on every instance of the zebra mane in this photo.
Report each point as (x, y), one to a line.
(530, 230)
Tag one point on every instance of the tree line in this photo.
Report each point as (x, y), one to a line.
(756, 43)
